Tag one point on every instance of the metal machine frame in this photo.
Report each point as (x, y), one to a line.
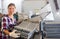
(26, 29)
(50, 29)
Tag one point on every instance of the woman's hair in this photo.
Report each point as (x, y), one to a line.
(11, 4)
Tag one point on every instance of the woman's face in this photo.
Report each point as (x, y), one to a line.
(11, 9)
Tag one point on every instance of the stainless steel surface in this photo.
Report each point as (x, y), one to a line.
(51, 29)
(27, 26)
(48, 38)
(26, 29)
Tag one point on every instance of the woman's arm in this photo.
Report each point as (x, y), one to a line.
(6, 32)
(4, 25)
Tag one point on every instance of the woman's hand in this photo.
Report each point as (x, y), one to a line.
(13, 34)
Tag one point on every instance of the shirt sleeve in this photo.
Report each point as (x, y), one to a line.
(4, 23)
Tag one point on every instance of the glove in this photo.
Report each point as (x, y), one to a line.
(14, 35)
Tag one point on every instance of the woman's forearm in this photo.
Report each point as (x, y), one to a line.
(6, 32)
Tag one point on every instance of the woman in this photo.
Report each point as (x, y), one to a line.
(8, 21)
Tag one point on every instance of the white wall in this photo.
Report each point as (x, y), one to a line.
(32, 5)
(47, 8)
(0, 4)
(18, 4)
(55, 13)
(0, 7)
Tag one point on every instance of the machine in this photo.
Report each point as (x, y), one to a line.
(50, 29)
(26, 29)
